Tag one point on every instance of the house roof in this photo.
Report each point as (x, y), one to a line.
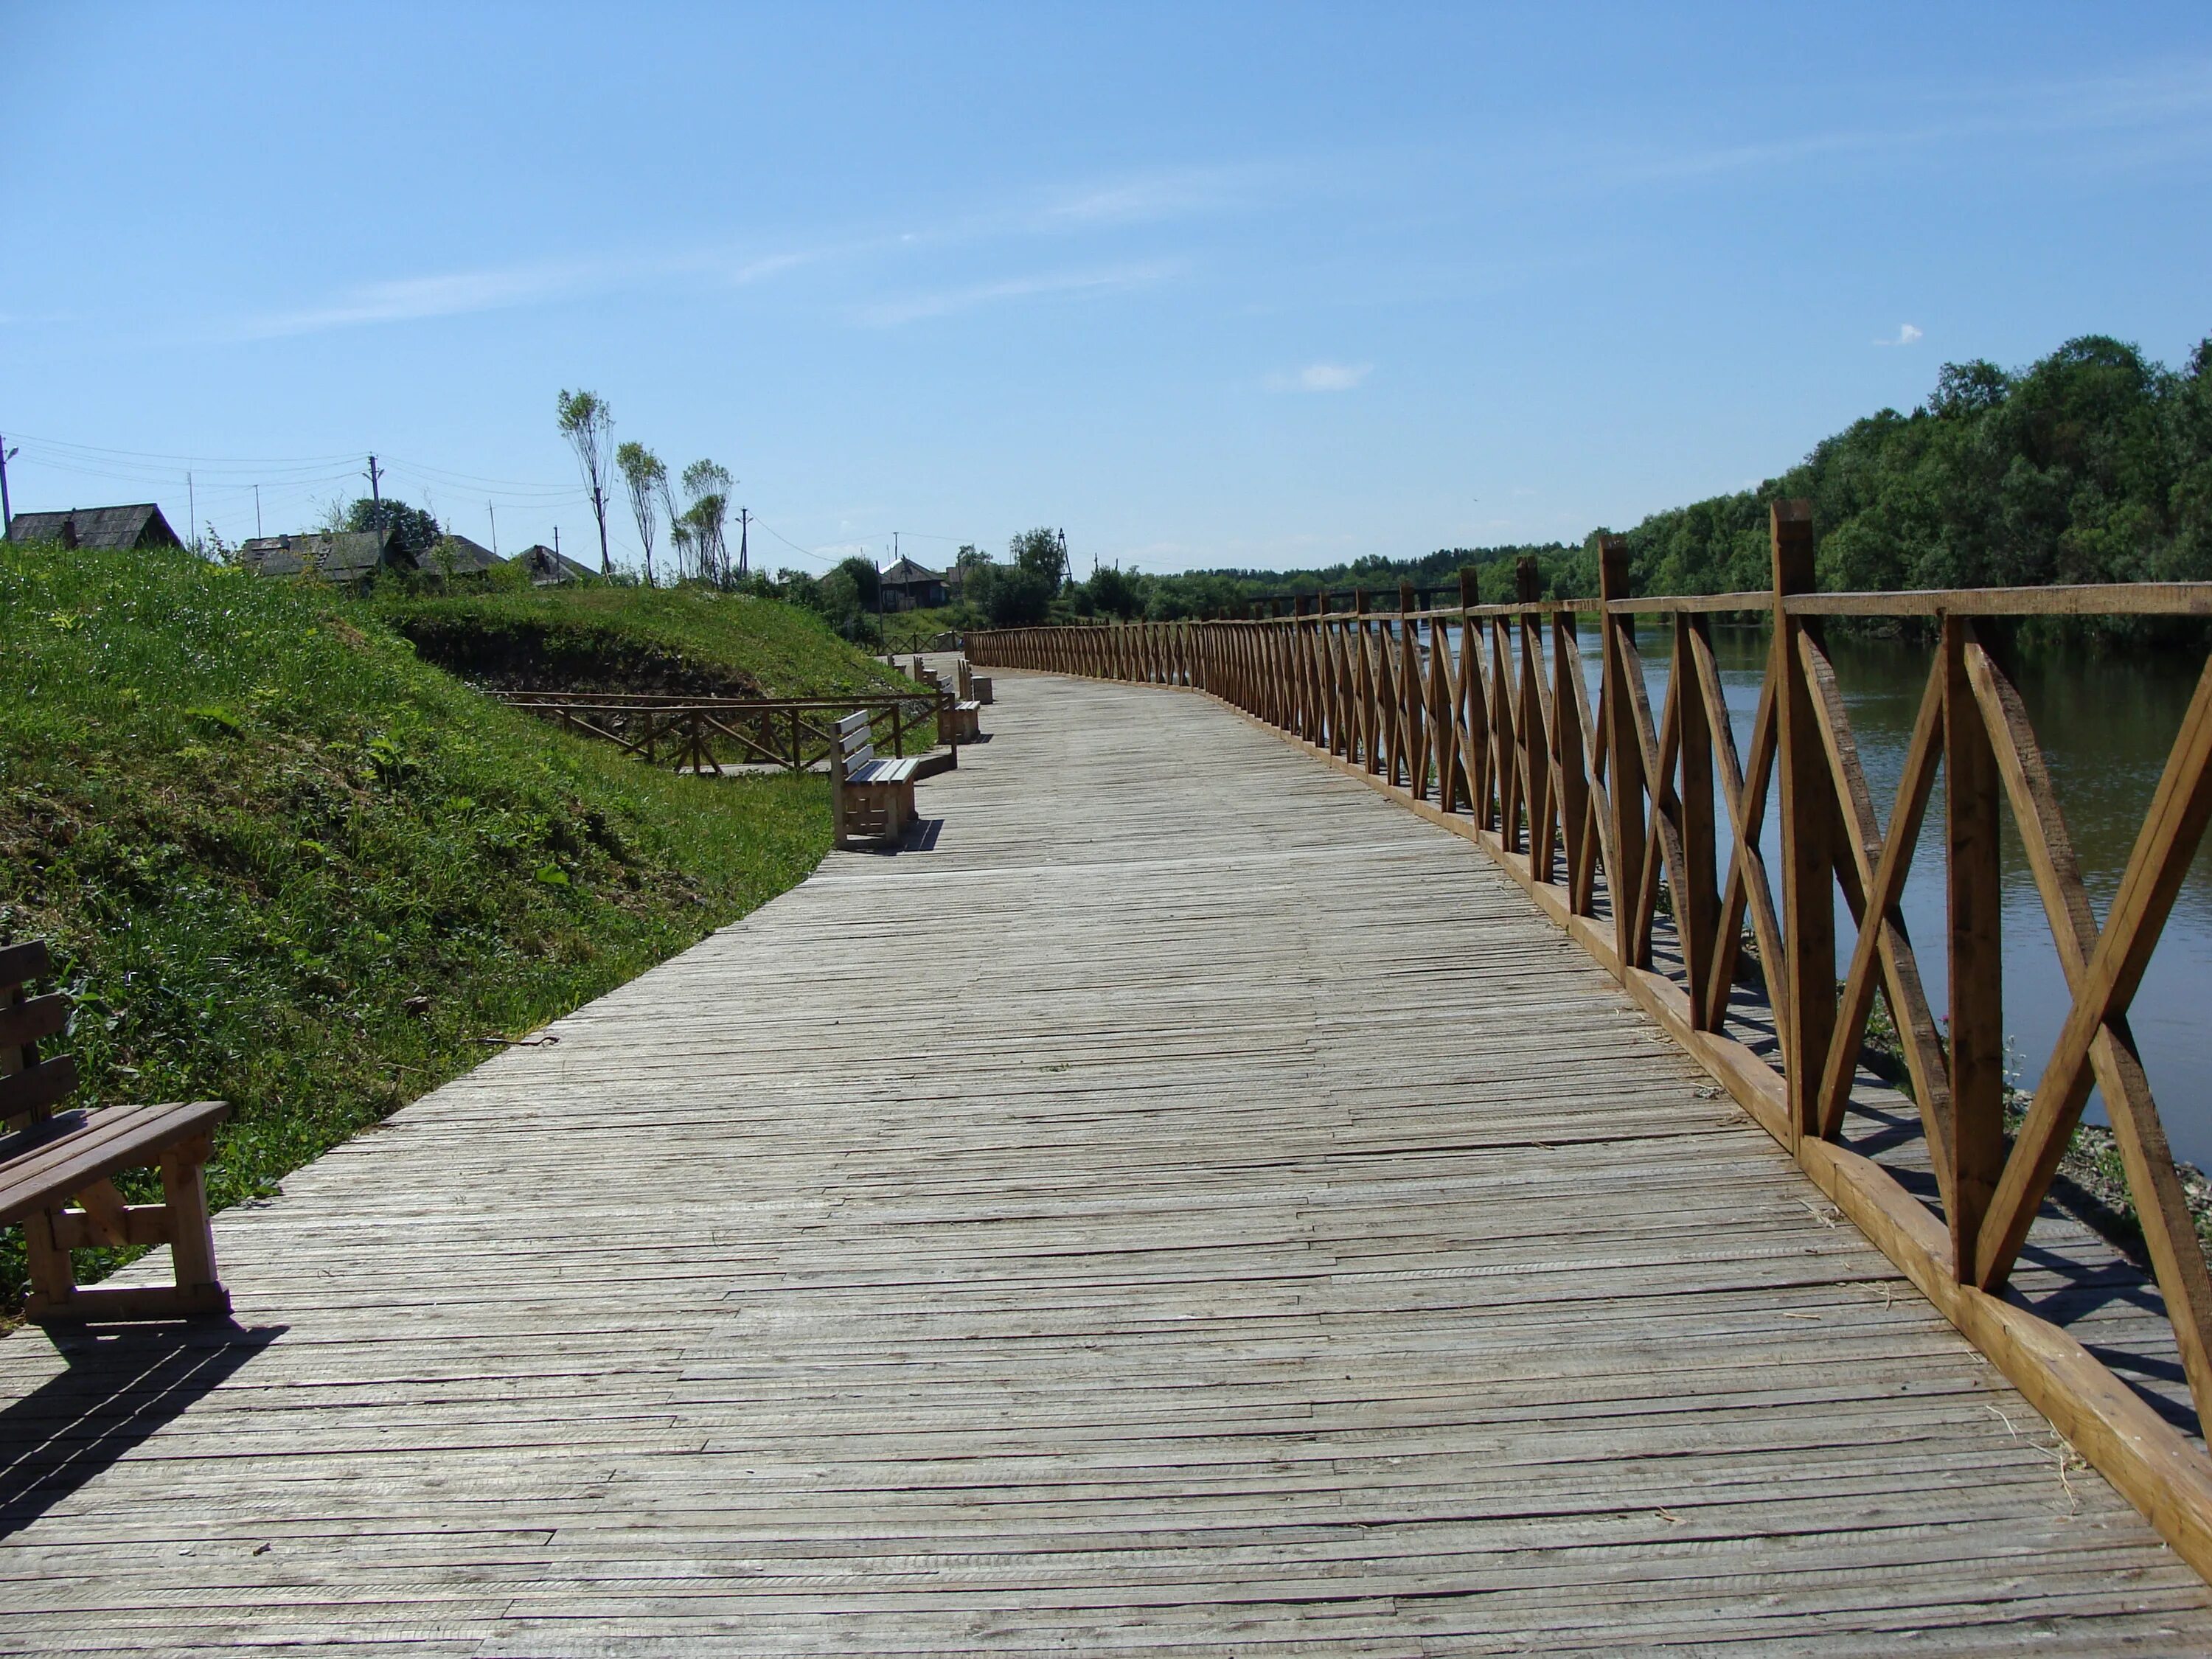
(545, 565)
(346, 555)
(903, 571)
(139, 525)
(467, 557)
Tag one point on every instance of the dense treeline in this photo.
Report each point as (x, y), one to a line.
(2092, 464)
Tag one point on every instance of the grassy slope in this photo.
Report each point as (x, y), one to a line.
(257, 827)
(686, 639)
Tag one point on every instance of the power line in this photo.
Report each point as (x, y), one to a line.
(804, 552)
(199, 462)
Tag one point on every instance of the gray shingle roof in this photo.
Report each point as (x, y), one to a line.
(545, 565)
(140, 525)
(466, 558)
(349, 556)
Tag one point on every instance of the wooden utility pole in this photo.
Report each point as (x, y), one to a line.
(7, 513)
(745, 521)
(375, 494)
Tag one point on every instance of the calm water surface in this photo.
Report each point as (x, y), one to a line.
(2106, 725)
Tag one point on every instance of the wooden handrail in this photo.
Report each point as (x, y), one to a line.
(1600, 811)
(785, 731)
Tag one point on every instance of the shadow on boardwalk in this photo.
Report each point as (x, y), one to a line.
(119, 1387)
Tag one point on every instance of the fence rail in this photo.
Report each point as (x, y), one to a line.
(1615, 818)
(704, 734)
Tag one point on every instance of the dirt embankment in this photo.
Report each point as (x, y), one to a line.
(522, 656)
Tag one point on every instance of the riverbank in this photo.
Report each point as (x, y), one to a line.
(285, 863)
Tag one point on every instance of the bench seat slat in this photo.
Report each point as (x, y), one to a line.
(120, 1138)
(884, 771)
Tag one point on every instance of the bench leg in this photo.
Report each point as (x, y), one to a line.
(53, 1276)
(182, 1220)
(191, 1238)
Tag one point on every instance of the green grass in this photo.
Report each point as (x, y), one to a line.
(606, 637)
(285, 863)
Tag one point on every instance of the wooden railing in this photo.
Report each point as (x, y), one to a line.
(705, 733)
(1615, 819)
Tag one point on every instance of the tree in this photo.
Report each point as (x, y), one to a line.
(1115, 591)
(837, 597)
(1963, 389)
(1044, 553)
(414, 531)
(1010, 595)
(679, 534)
(646, 476)
(708, 484)
(866, 579)
(587, 422)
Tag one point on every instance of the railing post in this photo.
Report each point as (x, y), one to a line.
(1364, 682)
(1623, 756)
(1808, 838)
(1412, 735)
(1697, 909)
(1974, 907)
(1535, 738)
(1469, 718)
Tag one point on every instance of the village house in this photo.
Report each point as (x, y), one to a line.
(349, 558)
(909, 587)
(457, 555)
(546, 568)
(140, 525)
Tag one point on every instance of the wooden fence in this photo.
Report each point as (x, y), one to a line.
(1615, 819)
(705, 733)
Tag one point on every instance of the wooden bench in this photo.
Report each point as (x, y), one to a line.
(870, 800)
(56, 1167)
(973, 687)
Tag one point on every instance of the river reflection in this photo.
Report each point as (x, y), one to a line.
(2106, 725)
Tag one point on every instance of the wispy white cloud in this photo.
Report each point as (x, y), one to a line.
(2155, 115)
(1321, 377)
(1906, 334)
(891, 313)
(409, 299)
(463, 293)
(1161, 194)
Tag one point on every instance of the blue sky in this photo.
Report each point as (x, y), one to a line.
(1253, 285)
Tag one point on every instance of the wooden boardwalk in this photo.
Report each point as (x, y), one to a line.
(1192, 1207)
